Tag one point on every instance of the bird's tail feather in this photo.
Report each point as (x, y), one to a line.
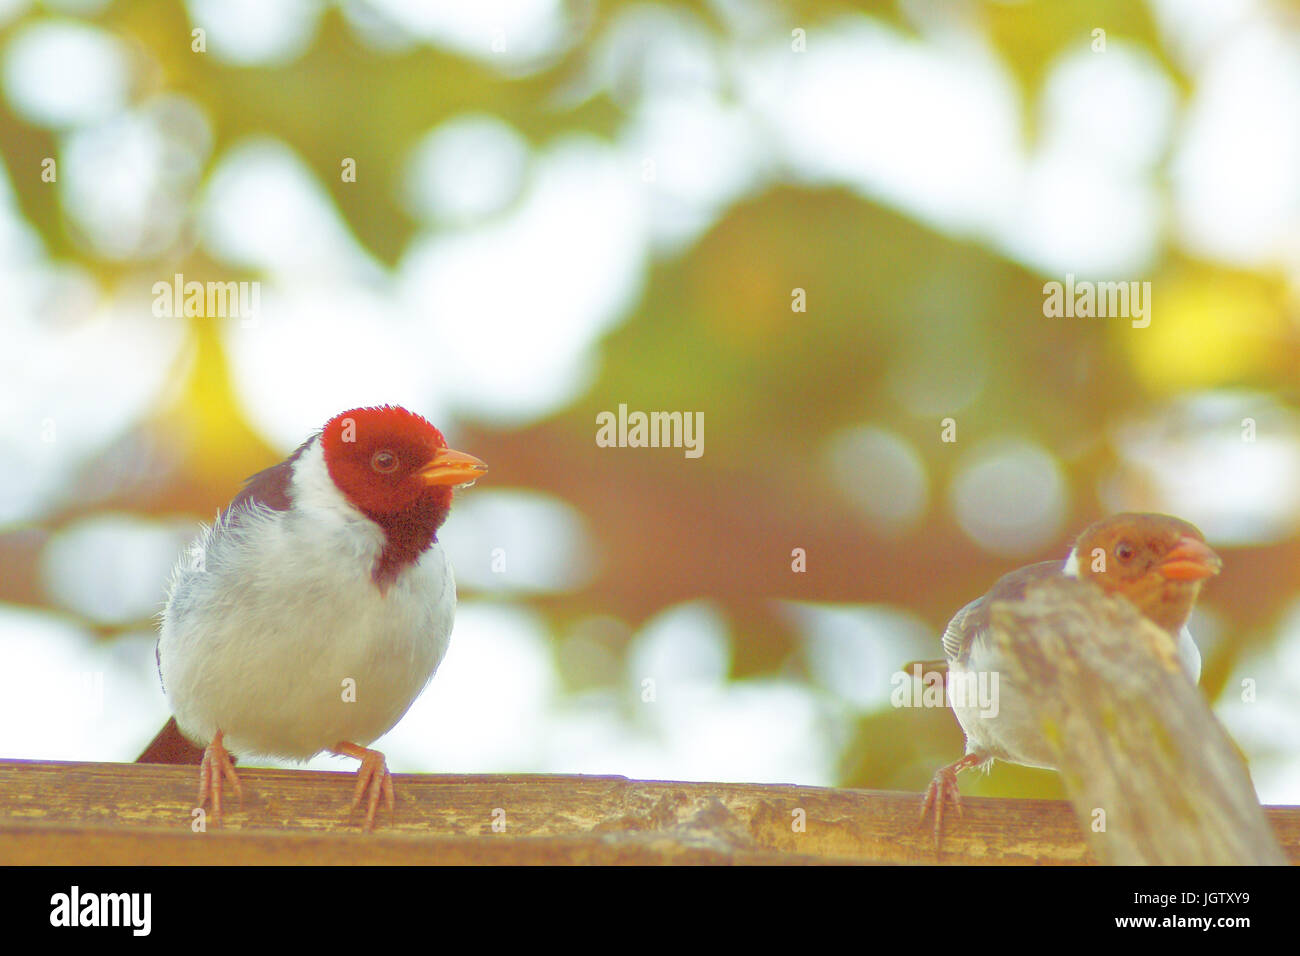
(939, 666)
(171, 746)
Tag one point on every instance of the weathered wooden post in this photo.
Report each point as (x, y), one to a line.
(1151, 773)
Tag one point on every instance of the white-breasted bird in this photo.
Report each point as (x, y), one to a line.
(1156, 562)
(317, 607)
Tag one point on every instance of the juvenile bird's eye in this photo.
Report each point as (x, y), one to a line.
(1124, 551)
(384, 462)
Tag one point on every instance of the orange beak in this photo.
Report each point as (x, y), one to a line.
(450, 467)
(1190, 560)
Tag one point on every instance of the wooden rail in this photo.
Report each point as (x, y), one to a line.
(97, 813)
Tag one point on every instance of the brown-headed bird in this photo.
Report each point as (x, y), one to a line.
(1156, 562)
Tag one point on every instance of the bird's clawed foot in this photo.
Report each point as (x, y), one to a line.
(943, 790)
(215, 768)
(373, 780)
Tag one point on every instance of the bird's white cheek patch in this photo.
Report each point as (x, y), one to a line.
(1071, 569)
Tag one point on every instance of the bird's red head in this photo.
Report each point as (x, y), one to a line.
(1157, 562)
(396, 468)
(387, 460)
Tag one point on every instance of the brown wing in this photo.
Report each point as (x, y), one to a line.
(270, 488)
(971, 623)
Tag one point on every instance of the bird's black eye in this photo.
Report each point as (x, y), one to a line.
(1124, 552)
(384, 462)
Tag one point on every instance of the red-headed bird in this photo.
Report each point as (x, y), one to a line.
(316, 609)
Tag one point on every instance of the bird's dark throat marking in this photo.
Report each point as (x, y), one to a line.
(407, 535)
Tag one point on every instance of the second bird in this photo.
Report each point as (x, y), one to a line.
(1156, 562)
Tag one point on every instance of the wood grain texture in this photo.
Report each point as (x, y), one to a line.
(1136, 744)
(89, 813)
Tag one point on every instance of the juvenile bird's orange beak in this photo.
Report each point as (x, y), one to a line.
(451, 467)
(1190, 560)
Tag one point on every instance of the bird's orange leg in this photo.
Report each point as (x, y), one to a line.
(943, 790)
(215, 767)
(373, 779)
